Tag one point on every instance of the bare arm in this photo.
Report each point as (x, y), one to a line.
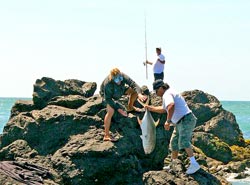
(147, 62)
(157, 109)
(170, 109)
(161, 61)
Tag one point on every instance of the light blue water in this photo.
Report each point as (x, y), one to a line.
(5, 108)
(241, 109)
(240, 183)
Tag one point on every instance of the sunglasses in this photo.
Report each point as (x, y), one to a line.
(117, 78)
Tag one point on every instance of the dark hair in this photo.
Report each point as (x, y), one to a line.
(159, 83)
(165, 86)
(158, 49)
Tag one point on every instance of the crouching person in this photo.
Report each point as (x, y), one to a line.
(114, 86)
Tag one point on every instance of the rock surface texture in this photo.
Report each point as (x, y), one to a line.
(61, 130)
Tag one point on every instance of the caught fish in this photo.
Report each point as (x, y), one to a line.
(148, 129)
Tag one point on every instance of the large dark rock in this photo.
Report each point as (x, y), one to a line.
(225, 127)
(164, 177)
(48, 129)
(89, 160)
(47, 88)
(22, 106)
(212, 146)
(203, 105)
(70, 101)
(92, 107)
(63, 131)
(213, 118)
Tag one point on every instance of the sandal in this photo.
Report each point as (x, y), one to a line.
(109, 139)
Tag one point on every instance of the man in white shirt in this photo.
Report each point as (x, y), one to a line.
(179, 115)
(158, 67)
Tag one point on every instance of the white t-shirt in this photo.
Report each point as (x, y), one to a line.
(158, 66)
(180, 106)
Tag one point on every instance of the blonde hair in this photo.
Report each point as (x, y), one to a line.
(113, 73)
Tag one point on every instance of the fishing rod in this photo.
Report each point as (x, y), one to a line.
(146, 53)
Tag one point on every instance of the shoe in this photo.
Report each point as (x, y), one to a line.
(168, 167)
(171, 166)
(194, 167)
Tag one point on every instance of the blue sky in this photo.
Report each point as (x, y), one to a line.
(206, 43)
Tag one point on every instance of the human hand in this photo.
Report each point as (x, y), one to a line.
(167, 126)
(142, 97)
(147, 62)
(122, 112)
(148, 107)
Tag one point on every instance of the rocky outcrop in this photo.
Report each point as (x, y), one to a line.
(47, 88)
(225, 127)
(62, 130)
(163, 177)
(203, 105)
(212, 118)
(212, 146)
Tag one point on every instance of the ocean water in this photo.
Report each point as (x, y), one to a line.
(5, 108)
(241, 109)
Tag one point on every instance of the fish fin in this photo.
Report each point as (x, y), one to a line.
(157, 122)
(141, 137)
(139, 121)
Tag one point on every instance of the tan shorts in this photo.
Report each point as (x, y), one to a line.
(182, 134)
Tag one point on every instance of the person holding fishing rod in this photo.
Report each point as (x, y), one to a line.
(158, 67)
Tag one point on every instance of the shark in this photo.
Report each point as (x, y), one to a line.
(148, 129)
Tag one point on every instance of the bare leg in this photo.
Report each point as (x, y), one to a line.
(174, 154)
(189, 152)
(132, 97)
(172, 165)
(107, 120)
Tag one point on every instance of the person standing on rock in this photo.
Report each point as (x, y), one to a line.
(179, 115)
(158, 67)
(114, 86)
